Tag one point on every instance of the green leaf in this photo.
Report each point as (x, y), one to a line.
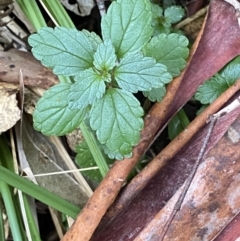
(85, 159)
(174, 14)
(202, 108)
(170, 50)
(231, 72)
(157, 11)
(52, 115)
(114, 154)
(211, 89)
(117, 121)
(105, 57)
(136, 72)
(155, 94)
(128, 24)
(38, 193)
(168, 3)
(177, 124)
(93, 38)
(67, 51)
(89, 87)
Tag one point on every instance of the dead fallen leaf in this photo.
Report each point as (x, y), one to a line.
(43, 158)
(9, 111)
(34, 73)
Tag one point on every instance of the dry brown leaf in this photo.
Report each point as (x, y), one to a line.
(9, 111)
(43, 158)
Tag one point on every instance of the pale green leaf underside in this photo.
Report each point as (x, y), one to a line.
(174, 13)
(170, 50)
(117, 121)
(155, 94)
(89, 86)
(138, 73)
(105, 57)
(52, 115)
(128, 24)
(67, 51)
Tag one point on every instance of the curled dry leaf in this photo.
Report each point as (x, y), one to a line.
(81, 7)
(9, 111)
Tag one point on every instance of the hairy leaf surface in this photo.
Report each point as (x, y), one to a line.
(138, 73)
(128, 24)
(170, 50)
(89, 86)
(52, 115)
(105, 57)
(117, 121)
(93, 38)
(67, 51)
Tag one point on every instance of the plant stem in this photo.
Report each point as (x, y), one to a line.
(33, 13)
(38, 192)
(31, 222)
(94, 148)
(2, 236)
(8, 203)
(57, 13)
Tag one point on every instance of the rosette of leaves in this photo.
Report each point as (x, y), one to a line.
(106, 73)
(163, 19)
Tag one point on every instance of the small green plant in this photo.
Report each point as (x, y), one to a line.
(106, 73)
(211, 89)
(163, 19)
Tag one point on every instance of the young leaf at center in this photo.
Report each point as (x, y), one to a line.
(52, 115)
(89, 86)
(117, 121)
(137, 73)
(105, 57)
